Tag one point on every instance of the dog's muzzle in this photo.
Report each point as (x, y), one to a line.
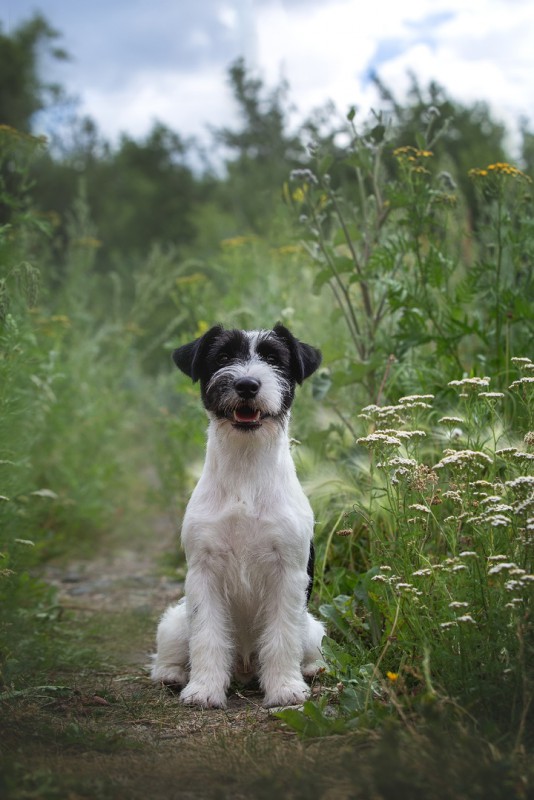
(246, 415)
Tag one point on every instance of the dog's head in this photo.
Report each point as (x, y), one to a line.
(247, 378)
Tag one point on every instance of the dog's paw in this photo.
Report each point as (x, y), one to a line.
(169, 675)
(312, 669)
(204, 695)
(293, 693)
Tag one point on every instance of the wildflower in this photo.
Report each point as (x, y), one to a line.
(526, 505)
(237, 241)
(380, 579)
(398, 461)
(464, 458)
(458, 568)
(512, 586)
(524, 456)
(385, 568)
(392, 676)
(420, 507)
(411, 398)
(452, 495)
(468, 554)
(445, 625)
(506, 451)
(466, 618)
(398, 434)
(521, 361)
(502, 565)
(304, 175)
(378, 438)
(470, 383)
(458, 604)
(450, 421)
(499, 168)
(411, 153)
(523, 482)
(499, 521)
(491, 395)
(422, 572)
(501, 508)
(526, 381)
(529, 439)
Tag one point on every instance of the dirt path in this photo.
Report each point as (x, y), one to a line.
(98, 728)
(101, 729)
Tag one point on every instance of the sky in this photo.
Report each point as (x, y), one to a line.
(137, 61)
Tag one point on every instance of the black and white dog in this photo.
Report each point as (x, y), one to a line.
(247, 530)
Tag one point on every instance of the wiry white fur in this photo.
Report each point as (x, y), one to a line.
(246, 534)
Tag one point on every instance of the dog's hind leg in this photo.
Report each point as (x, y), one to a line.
(170, 663)
(313, 635)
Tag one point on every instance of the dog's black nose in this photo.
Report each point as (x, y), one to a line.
(247, 387)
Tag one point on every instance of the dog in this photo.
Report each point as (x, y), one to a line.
(247, 530)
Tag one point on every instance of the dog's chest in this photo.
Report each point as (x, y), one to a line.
(243, 533)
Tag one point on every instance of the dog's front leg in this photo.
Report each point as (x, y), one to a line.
(210, 648)
(281, 650)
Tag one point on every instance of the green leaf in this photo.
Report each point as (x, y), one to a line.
(321, 384)
(322, 277)
(325, 163)
(420, 141)
(377, 134)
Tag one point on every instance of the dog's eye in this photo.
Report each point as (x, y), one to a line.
(271, 358)
(223, 358)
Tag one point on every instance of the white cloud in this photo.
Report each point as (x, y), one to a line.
(185, 102)
(481, 50)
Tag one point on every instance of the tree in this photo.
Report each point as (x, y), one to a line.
(23, 92)
(261, 153)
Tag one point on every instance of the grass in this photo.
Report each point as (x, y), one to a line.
(424, 503)
(434, 618)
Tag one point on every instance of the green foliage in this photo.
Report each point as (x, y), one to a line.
(449, 505)
(411, 266)
(22, 90)
(411, 281)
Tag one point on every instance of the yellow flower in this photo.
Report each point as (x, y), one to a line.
(392, 676)
(288, 249)
(203, 326)
(237, 241)
(499, 168)
(411, 153)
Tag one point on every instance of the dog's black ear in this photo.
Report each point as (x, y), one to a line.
(305, 359)
(190, 356)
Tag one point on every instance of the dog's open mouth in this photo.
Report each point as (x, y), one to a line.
(246, 416)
